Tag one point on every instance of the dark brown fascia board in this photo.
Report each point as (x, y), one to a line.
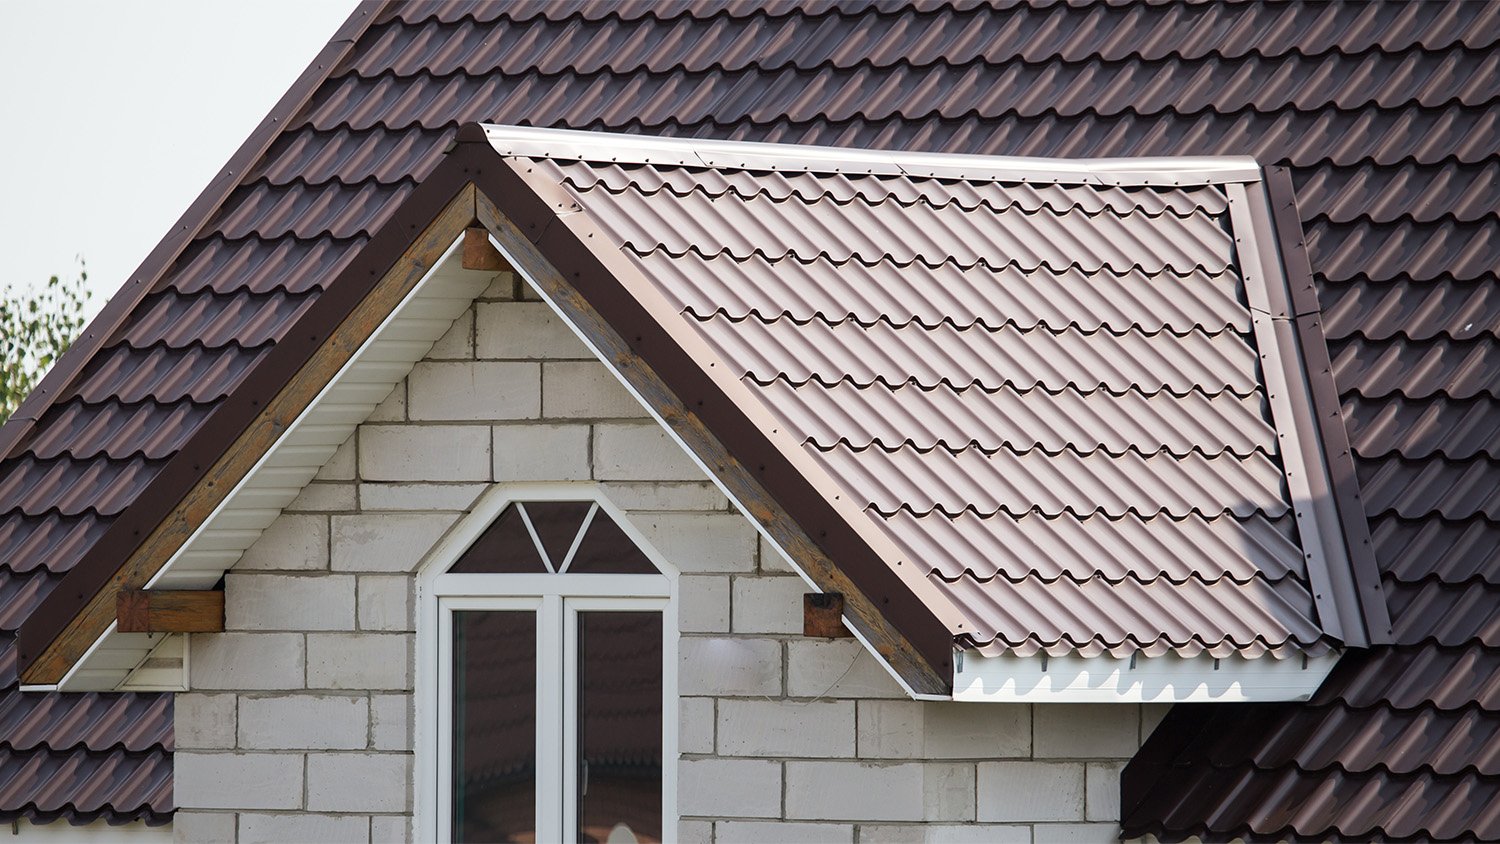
(883, 609)
(1327, 410)
(143, 537)
(124, 301)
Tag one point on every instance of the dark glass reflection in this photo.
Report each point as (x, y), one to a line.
(494, 726)
(619, 726)
(606, 549)
(504, 547)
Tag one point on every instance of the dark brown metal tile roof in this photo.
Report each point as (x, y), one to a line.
(1386, 112)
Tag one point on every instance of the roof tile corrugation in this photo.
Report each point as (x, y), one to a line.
(1392, 191)
(1143, 461)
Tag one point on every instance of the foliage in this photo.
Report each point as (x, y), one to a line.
(36, 327)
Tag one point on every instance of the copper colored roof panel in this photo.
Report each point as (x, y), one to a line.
(1392, 168)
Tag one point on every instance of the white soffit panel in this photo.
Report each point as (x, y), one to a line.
(1163, 679)
(403, 339)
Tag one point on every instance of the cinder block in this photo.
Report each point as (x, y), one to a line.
(695, 832)
(695, 725)
(840, 668)
(320, 497)
(203, 721)
(1076, 833)
(261, 661)
(458, 342)
(771, 560)
(541, 453)
(729, 788)
(909, 729)
(526, 331)
(699, 543)
(385, 602)
(340, 467)
(502, 286)
(703, 603)
(189, 827)
(424, 452)
(387, 542)
(290, 542)
(304, 722)
(474, 391)
(392, 408)
(786, 728)
(1102, 780)
(237, 780)
(768, 604)
(1086, 730)
(586, 390)
(428, 497)
(651, 495)
(713, 666)
(1030, 791)
(640, 452)
(359, 782)
(288, 602)
(324, 829)
(390, 722)
(781, 832)
(947, 834)
(359, 661)
(391, 829)
(864, 791)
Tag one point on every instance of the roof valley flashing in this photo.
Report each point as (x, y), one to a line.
(1029, 411)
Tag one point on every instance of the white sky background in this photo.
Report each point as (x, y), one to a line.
(115, 114)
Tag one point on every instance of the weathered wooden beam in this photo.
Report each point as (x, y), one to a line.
(823, 616)
(479, 253)
(166, 611)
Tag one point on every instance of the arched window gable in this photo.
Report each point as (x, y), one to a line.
(582, 608)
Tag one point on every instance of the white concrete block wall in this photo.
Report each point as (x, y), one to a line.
(299, 725)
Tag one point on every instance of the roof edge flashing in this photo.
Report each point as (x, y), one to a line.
(619, 148)
(1139, 679)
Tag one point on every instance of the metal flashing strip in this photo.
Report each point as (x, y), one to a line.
(1161, 679)
(1286, 392)
(615, 148)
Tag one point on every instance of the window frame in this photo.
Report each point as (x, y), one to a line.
(556, 599)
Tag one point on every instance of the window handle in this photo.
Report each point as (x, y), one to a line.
(584, 786)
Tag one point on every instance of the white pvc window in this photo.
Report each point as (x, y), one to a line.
(549, 701)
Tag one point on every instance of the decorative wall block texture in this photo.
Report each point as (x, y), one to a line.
(299, 726)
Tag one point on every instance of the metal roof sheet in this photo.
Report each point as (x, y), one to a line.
(1143, 436)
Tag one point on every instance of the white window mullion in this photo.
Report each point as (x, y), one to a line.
(550, 765)
(569, 721)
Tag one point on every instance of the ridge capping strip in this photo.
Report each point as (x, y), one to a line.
(620, 148)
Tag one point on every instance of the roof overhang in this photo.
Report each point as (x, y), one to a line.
(358, 341)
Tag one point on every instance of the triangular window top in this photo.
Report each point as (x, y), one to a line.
(538, 537)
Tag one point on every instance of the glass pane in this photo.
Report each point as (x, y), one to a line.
(606, 549)
(557, 524)
(505, 546)
(494, 726)
(619, 726)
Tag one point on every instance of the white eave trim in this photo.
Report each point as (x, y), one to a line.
(1160, 679)
(575, 145)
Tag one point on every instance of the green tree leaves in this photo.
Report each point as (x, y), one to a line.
(36, 327)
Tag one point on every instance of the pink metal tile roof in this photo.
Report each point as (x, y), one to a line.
(1045, 391)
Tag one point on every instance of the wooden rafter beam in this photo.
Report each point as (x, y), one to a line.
(166, 611)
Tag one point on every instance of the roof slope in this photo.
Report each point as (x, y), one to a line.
(1385, 112)
(979, 354)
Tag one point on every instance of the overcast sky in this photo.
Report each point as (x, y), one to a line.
(117, 113)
